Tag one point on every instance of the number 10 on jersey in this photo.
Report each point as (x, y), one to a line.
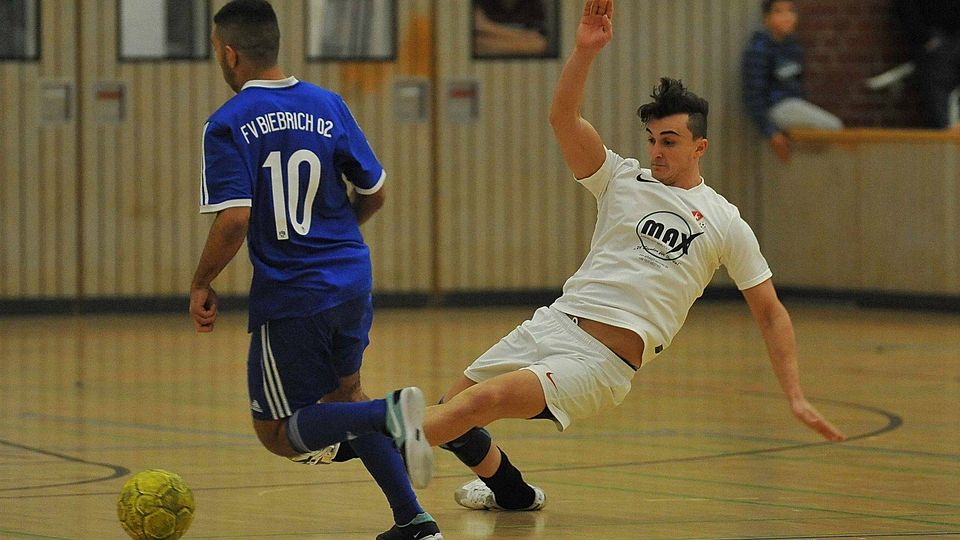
(289, 205)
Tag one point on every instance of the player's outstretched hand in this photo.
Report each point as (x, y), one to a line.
(203, 308)
(596, 25)
(809, 415)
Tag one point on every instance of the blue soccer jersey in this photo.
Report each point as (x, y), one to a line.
(284, 148)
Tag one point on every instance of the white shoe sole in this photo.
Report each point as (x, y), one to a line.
(476, 496)
(417, 452)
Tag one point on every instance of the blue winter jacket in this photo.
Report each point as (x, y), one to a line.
(770, 71)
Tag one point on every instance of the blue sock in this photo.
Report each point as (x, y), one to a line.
(385, 465)
(322, 424)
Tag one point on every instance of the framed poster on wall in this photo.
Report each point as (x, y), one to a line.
(152, 30)
(20, 30)
(515, 28)
(351, 30)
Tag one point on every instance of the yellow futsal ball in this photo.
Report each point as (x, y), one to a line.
(155, 505)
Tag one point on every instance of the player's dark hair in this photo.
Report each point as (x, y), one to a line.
(767, 5)
(669, 98)
(250, 27)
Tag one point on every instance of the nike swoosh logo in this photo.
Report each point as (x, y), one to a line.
(685, 245)
(550, 376)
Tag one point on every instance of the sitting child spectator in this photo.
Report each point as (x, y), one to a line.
(772, 73)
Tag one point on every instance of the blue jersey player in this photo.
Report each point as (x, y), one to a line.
(274, 160)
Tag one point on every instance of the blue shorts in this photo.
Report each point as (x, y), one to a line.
(295, 362)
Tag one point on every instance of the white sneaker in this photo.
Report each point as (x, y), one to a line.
(405, 411)
(323, 456)
(477, 496)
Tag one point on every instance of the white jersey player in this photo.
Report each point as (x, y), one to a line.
(661, 234)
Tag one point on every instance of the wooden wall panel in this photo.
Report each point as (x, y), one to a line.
(142, 231)
(812, 220)
(517, 220)
(38, 208)
(505, 207)
(94, 210)
(866, 210)
(141, 222)
(399, 235)
(909, 240)
(13, 169)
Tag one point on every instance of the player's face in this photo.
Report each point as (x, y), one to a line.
(782, 19)
(674, 153)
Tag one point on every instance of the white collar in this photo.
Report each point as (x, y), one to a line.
(282, 83)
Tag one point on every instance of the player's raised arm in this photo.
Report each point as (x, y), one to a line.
(580, 144)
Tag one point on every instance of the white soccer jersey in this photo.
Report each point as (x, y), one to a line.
(654, 250)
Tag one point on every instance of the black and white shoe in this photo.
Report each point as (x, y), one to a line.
(423, 527)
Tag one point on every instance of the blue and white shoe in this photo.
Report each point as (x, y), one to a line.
(406, 409)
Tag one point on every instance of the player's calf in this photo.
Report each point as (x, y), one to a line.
(471, 447)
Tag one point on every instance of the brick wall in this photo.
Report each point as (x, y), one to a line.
(847, 42)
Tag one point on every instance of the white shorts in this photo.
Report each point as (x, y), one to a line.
(579, 375)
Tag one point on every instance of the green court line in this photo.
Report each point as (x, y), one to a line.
(867, 466)
(781, 488)
(98, 422)
(668, 433)
(715, 450)
(20, 534)
(900, 534)
(755, 503)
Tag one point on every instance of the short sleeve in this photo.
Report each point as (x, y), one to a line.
(597, 182)
(355, 157)
(224, 182)
(742, 257)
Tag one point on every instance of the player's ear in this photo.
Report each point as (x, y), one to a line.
(701, 146)
(230, 56)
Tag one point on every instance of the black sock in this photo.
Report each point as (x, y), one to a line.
(508, 486)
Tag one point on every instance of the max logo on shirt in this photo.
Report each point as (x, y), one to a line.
(666, 235)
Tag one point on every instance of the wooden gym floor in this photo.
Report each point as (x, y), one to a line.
(703, 447)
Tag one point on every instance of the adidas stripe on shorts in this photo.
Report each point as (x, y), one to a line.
(295, 362)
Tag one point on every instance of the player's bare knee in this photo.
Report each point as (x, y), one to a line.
(461, 385)
(486, 398)
(343, 394)
(273, 436)
(350, 390)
